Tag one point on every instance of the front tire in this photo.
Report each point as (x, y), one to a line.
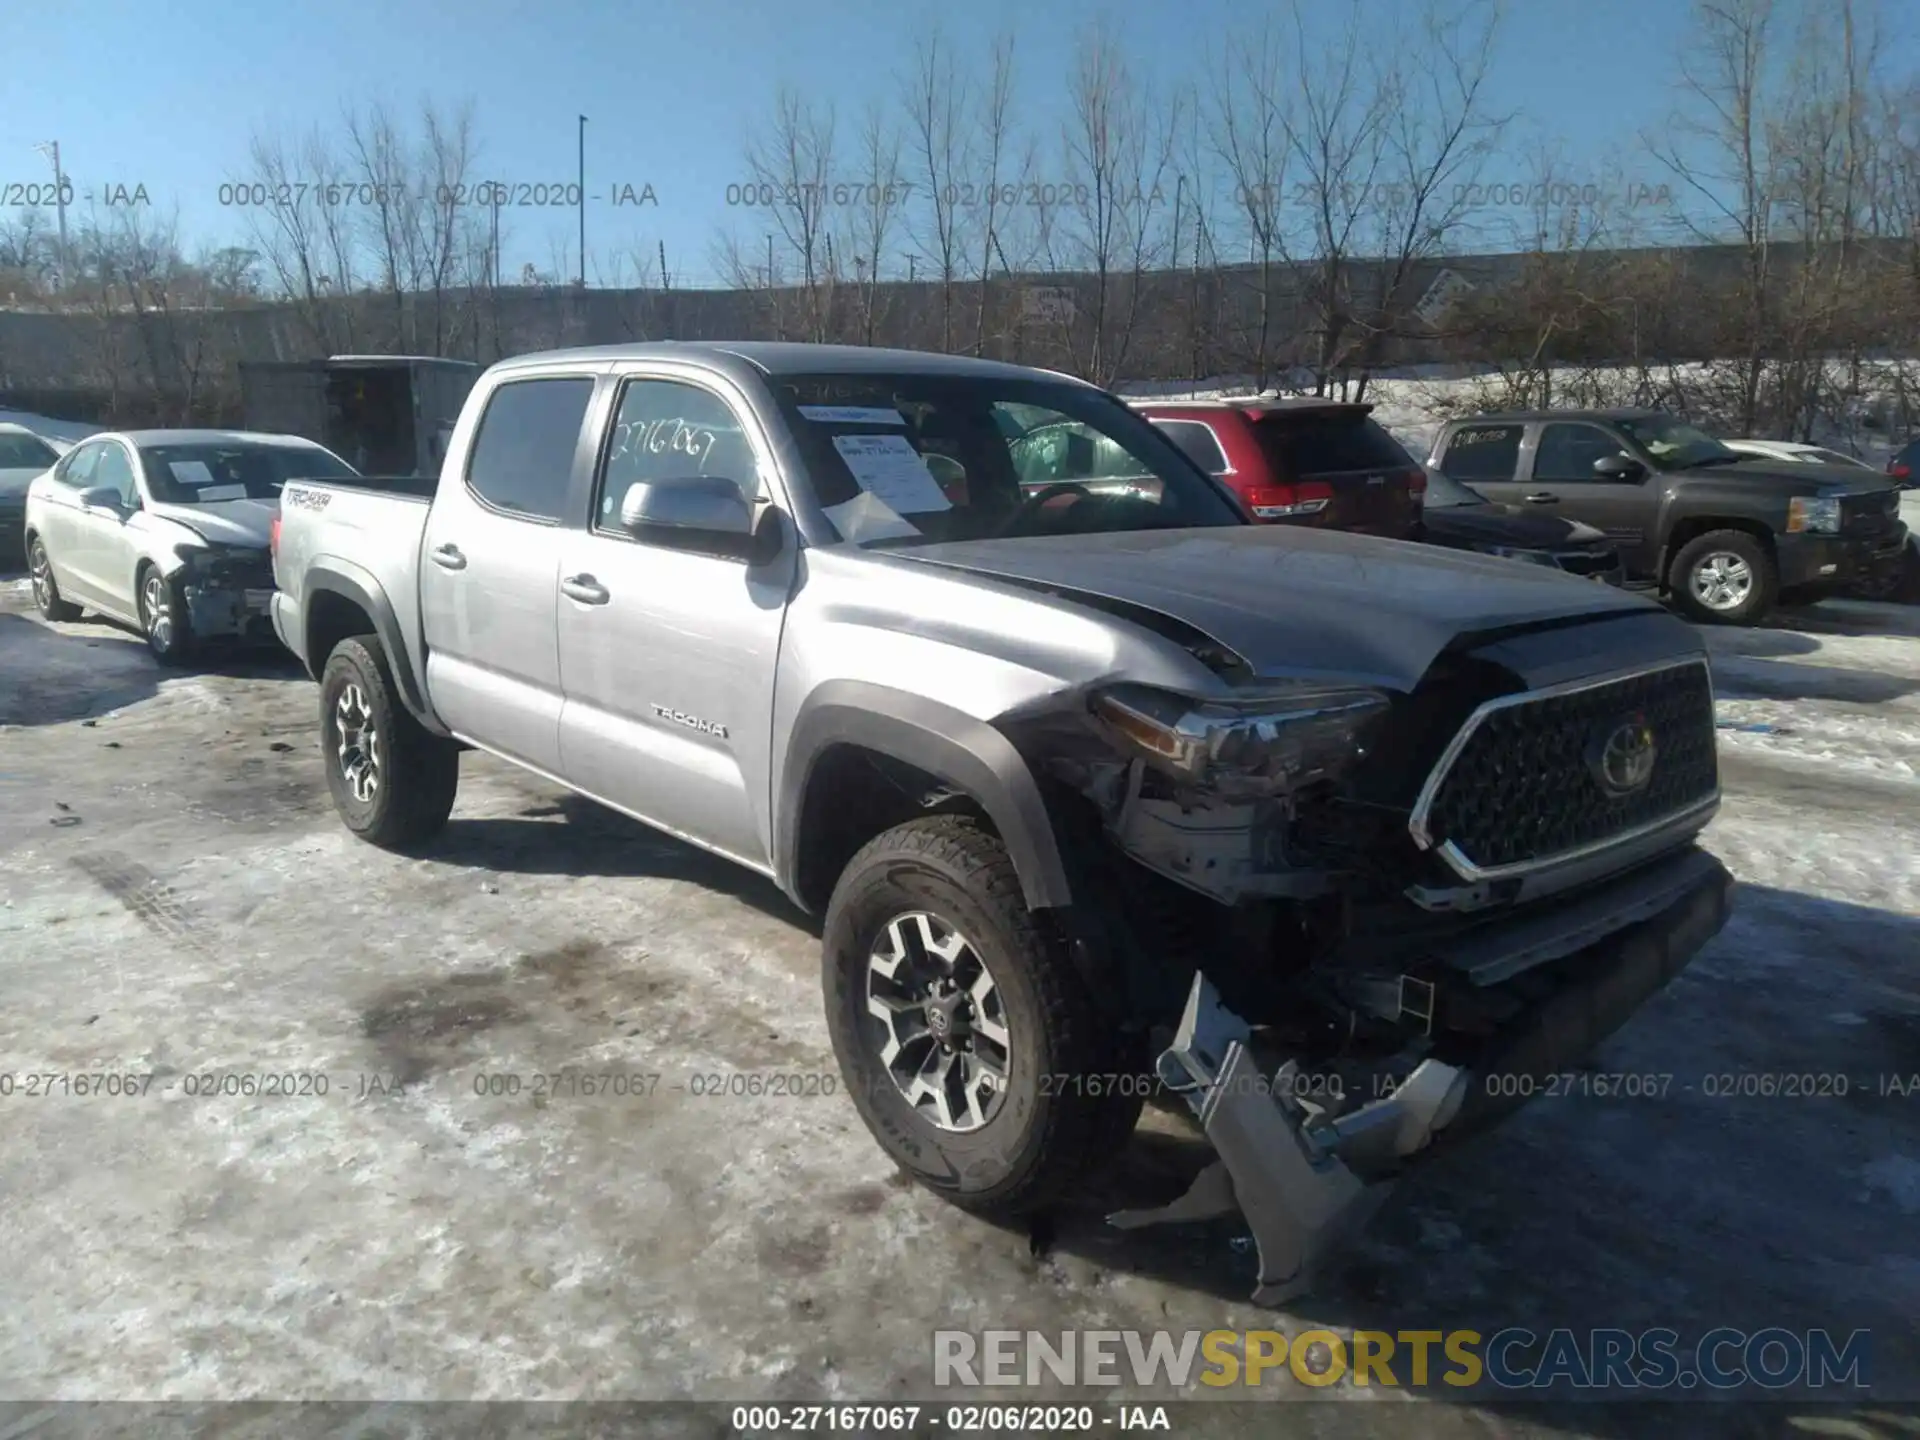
(1725, 577)
(46, 591)
(973, 1048)
(163, 617)
(392, 780)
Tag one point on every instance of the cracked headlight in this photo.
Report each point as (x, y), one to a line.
(1814, 514)
(1250, 745)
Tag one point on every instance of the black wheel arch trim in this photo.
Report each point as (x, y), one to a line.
(349, 582)
(961, 750)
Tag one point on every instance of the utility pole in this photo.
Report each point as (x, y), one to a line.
(52, 151)
(583, 202)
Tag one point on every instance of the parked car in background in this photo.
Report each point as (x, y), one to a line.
(1796, 452)
(167, 530)
(1300, 461)
(1058, 777)
(1904, 465)
(1725, 535)
(24, 457)
(1463, 519)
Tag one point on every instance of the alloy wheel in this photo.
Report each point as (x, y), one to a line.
(947, 1045)
(359, 750)
(42, 572)
(158, 613)
(1722, 581)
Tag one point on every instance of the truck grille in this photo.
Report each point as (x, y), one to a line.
(1868, 514)
(1526, 781)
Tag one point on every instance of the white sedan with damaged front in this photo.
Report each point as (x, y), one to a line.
(167, 530)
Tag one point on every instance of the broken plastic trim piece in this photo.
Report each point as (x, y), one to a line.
(1283, 1167)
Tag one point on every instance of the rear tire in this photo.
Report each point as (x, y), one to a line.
(392, 780)
(944, 886)
(46, 592)
(1725, 577)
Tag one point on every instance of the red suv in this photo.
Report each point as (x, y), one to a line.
(1300, 461)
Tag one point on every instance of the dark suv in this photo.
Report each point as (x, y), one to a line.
(1325, 463)
(1725, 534)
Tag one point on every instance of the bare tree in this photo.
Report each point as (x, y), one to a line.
(1001, 159)
(1435, 137)
(937, 104)
(873, 203)
(791, 170)
(1251, 128)
(1339, 135)
(1118, 146)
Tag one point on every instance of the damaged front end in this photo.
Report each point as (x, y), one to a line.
(227, 591)
(1391, 917)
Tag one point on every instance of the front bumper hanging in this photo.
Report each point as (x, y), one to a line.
(1305, 1180)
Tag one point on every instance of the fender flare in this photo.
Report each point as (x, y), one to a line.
(333, 576)
(966, 753)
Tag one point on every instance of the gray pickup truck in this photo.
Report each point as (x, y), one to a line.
(1098, 790)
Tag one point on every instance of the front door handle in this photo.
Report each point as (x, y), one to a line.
(585, 589)
(1543, 497)
(448, 557)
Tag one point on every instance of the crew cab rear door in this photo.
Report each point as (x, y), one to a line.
(1339, 451)
(490, 568)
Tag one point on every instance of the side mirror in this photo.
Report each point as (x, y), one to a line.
(708, 504)
(101, 497)
(1618, 467)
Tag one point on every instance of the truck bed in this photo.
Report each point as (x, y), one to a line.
(368, 534)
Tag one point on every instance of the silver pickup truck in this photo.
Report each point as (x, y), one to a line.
(1100, 791)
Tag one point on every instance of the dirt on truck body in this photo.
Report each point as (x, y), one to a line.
(1096, 787)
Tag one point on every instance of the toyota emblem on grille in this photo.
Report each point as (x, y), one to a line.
(1622, 758)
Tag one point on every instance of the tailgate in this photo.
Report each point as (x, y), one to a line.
(1342, 455)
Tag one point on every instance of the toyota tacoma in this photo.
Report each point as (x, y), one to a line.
(1097, 789)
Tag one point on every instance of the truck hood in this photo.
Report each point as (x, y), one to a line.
(225, 522)
(1294, 602)
(1793, 477)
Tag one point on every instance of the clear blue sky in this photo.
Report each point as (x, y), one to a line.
(166, 97)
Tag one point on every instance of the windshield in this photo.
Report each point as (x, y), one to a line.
(207, 474)
(1674, 445)
(1834, 457)
(25, 452)
(912, 459)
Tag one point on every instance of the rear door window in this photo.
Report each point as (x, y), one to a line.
(1482, 452)
(1302, 445)
(1199, 442)
(522, 459)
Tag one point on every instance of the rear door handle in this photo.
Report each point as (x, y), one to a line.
(448, 557)
(585, 589)
(1543, 497)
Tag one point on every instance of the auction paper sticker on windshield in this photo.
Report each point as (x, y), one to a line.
(867, 518)
(854, 414)
(191, 472)
(890, 469)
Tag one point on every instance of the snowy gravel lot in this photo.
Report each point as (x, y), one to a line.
(178, 899)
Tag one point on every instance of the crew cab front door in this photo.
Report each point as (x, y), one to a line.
(668, 639)
(490, 569)
(1625, 508)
